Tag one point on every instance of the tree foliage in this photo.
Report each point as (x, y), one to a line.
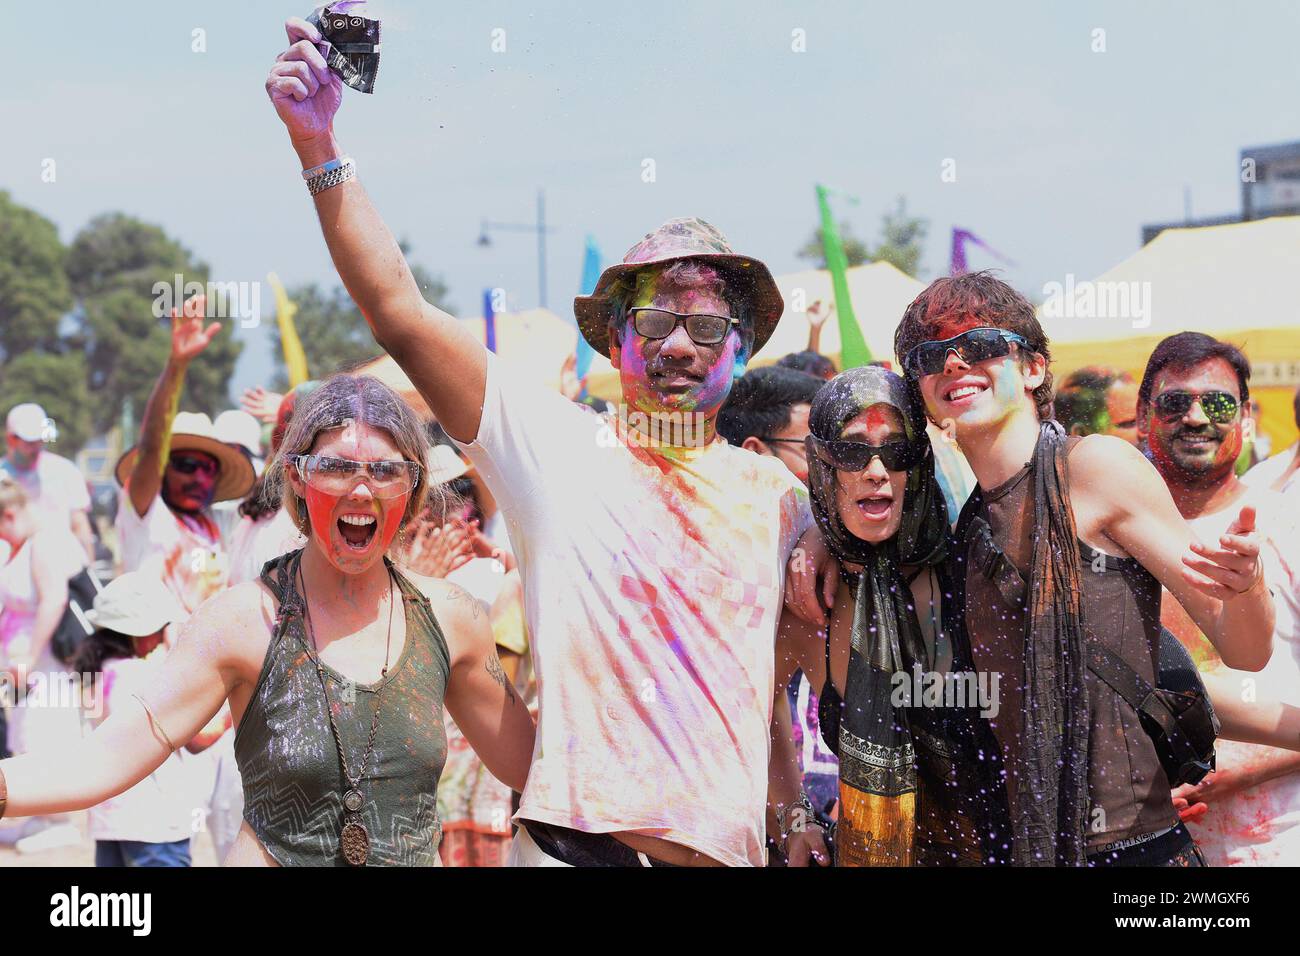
(333, 331)
(901, 240)
(113, 265)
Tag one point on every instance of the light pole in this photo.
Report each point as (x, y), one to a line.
(539, 227)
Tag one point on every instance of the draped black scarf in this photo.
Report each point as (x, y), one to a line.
(877, 759)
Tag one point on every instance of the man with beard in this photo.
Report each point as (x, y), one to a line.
(172, 476)
(1191, 412)
(651, 551)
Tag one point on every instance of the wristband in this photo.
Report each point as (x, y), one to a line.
(333, 177)
(325, 167)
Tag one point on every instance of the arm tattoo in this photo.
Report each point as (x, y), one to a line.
(498, 674)
(457, 593)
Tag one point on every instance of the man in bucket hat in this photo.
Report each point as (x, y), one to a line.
(179, 467)
(652, 552)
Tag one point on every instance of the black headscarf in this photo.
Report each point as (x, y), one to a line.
(877, 758)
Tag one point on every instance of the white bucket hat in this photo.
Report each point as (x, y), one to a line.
(137, 604)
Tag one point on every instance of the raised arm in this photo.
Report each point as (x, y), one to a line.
(480, 698)
(189, 338)
(1220, 585)
(444, 361)
(193, 681)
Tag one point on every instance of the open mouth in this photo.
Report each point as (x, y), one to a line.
(875, 507)
(963, 392)
(357, 531)
(1197, 442)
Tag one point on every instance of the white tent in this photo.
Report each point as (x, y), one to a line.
(880, 293)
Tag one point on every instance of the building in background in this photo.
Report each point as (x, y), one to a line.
(1270, 186)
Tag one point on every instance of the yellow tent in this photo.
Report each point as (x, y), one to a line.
(1239, 282)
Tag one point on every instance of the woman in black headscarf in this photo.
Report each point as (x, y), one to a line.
(917, 776)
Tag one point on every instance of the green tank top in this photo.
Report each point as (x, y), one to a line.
(293, 784)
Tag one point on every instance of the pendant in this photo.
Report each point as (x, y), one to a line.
(352, 801)
(355, 841)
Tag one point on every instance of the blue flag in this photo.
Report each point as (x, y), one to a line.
(590, 276)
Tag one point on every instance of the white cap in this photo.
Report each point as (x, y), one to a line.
(27, 421)
(237, 427)
(136, 603)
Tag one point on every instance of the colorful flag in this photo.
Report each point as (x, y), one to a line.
(590, 276)
(853, 347)
(958, 261)
(295, 359)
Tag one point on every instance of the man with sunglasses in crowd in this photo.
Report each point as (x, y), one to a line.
(652, 552)
(1060, 549)
(173, 475)
(1191, 416)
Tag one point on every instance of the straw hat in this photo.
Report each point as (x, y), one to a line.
(193, 431)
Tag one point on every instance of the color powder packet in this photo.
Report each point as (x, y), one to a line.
(353, 53)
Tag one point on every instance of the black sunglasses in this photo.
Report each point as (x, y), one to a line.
(1219, 407)
(188, 464)
(975, 345)
(856, 456)
(703, 327)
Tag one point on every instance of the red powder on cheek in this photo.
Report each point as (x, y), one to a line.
(394, 508)
(949, 326)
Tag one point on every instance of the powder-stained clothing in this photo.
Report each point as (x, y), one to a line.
(288, 758)
(1129, 794)
(1259, 825)
(653, 585)
(189, 554)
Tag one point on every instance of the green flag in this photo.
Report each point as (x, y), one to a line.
(853, 347)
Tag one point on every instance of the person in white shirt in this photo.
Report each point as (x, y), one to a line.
(1281, 472)
(1190, 416)
(173, 475)
(652, 553)
(150, 824)
(54, 485)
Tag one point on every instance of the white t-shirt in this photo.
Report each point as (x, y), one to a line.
(1271, 469)
(1260, 826)
(253, 543)
(160, 808)
(55, 488)
(192, 558)
(653, 586)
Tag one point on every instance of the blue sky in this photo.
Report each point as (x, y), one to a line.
(1061, 152)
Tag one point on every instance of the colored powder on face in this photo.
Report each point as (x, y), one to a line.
(954, 325)
(320, 506)
(1009, 387)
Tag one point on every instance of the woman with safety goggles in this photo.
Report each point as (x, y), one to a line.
(335, 664)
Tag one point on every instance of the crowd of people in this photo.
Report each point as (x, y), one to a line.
(934, 612)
